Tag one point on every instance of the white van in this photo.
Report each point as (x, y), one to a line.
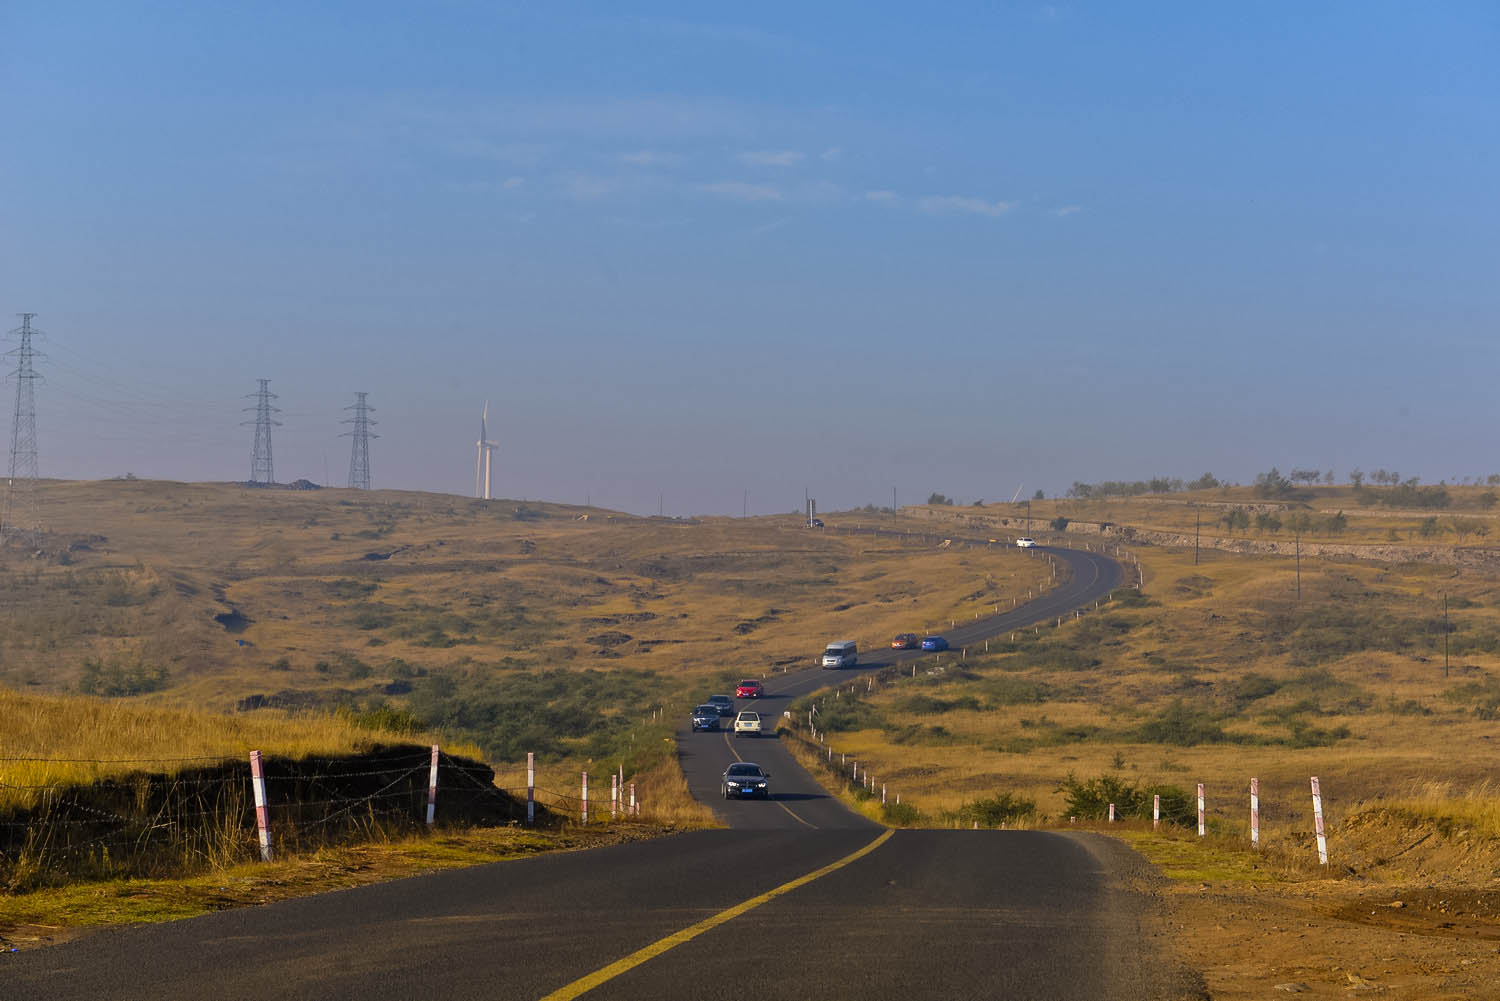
(840, 655)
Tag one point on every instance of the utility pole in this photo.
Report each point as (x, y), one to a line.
(1445, 634)
(359, 452)
(1299, 566)
(1197, 528)
(21, 517)
(261, 468)
(745, 508)
(893, 502)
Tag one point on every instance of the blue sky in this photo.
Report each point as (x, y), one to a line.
(843, 246)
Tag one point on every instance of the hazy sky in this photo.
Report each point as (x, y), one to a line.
(953, 247)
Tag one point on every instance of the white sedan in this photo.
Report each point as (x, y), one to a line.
(1025, 543)
(747, 722)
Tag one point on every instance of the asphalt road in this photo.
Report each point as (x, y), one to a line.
(799, 898)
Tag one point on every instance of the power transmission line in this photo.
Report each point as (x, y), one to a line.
(261, 468)
(359, 451)
(21, 517)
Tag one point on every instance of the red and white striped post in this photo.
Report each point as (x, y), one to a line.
(262, 812)
(1201, 828)
(1255, 813)
(633, 811)
(530, 787)
(614, 796)
(1318, 822)
(583, 801)
(432, 787)
(1156, 812)
(1111, 813)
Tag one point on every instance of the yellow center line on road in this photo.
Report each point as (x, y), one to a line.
(583, 985)
(776, 801)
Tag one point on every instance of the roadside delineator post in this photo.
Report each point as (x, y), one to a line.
(432, 787)
(1317, 794)
(262, 812)
(530, 787)
(614, 796)
(882, 794)
(1255, 813)
(583, 802)
(633, 811)
(1111, 813)
(1156, 812)
(1201, 828)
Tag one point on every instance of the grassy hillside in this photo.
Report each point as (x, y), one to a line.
(1217, 673)
(517, 622)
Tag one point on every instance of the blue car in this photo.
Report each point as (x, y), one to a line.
(934, 643)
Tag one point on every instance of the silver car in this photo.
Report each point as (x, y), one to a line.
(746, 778)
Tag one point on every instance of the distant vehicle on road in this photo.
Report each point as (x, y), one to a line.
(934, 643)
(1025, 542)
(706, 717)
(747, 722)
(815, 523)
(746, 778)
(724, 703)
(904, 641)
(841, 654)
(749, 689)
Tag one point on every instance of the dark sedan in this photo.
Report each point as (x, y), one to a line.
(706, 717)
(746, 778)
(934, 643)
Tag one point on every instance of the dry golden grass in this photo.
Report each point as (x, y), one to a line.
(1208, 627)
(461, 581)
(56, 740)
(1465, 522)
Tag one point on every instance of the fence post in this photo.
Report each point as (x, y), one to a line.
(1156, 812)
(632, 799)
(432, 787)
(583, 806)
(530, 787)
(614, 796)
(1255, 813)
(1200, 810)
(1317, 794)
(262, 813)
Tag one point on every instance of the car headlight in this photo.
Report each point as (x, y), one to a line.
(734, 785)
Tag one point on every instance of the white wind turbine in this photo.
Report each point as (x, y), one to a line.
(486, 447)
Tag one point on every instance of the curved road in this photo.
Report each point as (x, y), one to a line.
(799, 898)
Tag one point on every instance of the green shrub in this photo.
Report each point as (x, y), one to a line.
(901, 814)
(1001, 808)
(1181, 726)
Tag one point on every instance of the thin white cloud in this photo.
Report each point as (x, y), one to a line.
(512, 183)
(769, 227)
(884, 197)
(649, 158)
(741, 191)
(1067, 210)
(587, 187)
(771, 158)
(957, 203)
(831, 153)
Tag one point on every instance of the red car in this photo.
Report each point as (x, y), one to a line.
(904, 641)
(749, 689)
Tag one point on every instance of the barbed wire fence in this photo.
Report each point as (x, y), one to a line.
(213, 812)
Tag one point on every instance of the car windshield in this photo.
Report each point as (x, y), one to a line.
(750, 717)
(749, 684)
(743, 769)
(706, 710)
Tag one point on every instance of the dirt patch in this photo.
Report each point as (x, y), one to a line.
(1328, 940)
